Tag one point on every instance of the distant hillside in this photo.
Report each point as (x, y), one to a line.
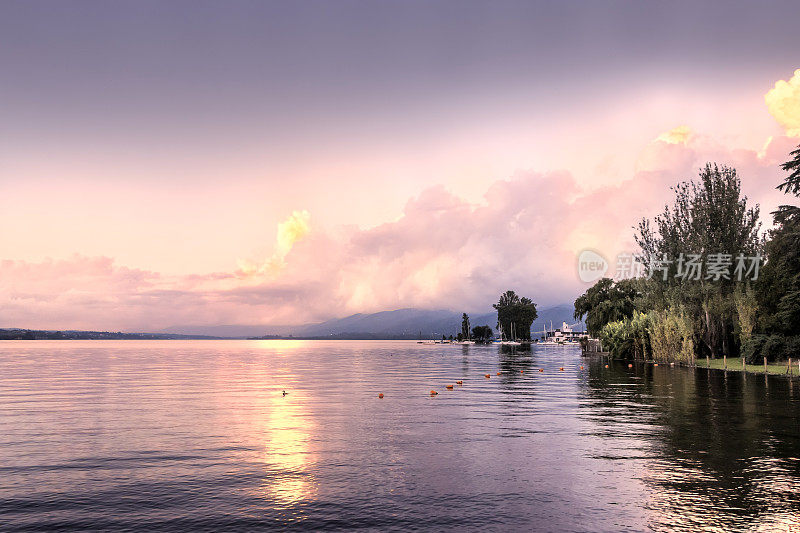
(228, 331)
(39, 334)
(398, 324)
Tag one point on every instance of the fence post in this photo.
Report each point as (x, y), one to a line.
(725, 362)
(765, 365)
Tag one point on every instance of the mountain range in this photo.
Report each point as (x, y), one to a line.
(410, 323)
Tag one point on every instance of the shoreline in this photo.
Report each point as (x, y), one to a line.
(719, 364)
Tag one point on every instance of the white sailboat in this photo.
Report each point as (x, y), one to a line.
(512, 341)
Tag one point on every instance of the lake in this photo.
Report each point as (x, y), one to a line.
(197, 435)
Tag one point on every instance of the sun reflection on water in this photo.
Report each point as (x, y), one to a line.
(288, 455)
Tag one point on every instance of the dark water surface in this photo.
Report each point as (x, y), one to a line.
(196, 435)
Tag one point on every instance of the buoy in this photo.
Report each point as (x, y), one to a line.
(630, 365)
(380, 395)
(540, 370)
(581, 367)
(521, 372)
(656, 364)
(434, 393)
(459, 383)
(498, 373)
(448, 387)
(606, 366)
(562, 368)
(488, 376)
(285, 393)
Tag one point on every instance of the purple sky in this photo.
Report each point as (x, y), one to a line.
(162, 162)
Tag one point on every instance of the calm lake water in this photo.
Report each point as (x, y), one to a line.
(196, 435)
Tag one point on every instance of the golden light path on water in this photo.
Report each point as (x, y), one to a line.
(286, 426)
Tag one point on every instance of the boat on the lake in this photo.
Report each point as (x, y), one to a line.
(564, 336)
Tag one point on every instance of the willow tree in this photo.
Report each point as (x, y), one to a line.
(606, 302)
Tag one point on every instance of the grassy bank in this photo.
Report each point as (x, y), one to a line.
(735, 365)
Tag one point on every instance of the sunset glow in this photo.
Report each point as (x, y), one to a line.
(222, 193)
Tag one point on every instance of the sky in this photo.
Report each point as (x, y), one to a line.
(205, 163)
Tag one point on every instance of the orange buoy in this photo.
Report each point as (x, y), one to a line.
(380, 395)
(581, 367)
(540, 370)
(606, 366)
(434, 393)
(498, 373)
(488, 376)
(448, 387)
(630, 365)
(521, 372)
(656, 364)
(459, 383)
(562, 368)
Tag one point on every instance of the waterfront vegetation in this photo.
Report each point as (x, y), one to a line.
(514, 313)
(668, 316)
(517, 312)
(735, 365)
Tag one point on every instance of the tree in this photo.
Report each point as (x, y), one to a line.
(521, 312)
(605, 302)
(791, 184)
(709, 216)
(778, 288)
(481, 333)
(465, 325)
(746, 308)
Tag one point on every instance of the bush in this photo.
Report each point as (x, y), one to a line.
(773, 347)
(671, 336)
(627, 338)
(751, 349)
(793, 347)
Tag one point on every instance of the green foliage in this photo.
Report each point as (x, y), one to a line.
(521, 312)
(778, 288)
(708, 216)
(774, 347)
(605, 302)
(612, 338)
(482, 333)
(791, 184)
(744, 299)
(627, 338)
(686, 318)
(671, 336)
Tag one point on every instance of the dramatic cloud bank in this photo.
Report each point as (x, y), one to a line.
(443, 252)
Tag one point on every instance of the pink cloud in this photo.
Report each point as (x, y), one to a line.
(443, 252)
